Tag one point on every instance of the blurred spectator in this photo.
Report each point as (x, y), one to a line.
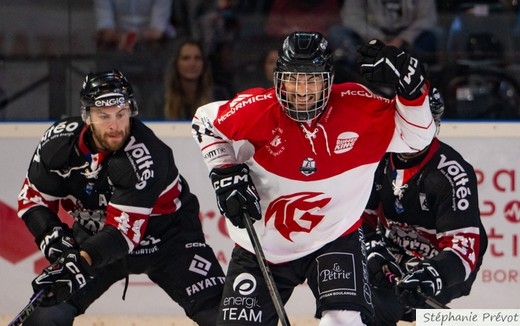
(215, 24)
(268, 64)
(135, 36)
(473, 33)
(475, 81)
(188, 82)
(209, 21)
(516, 34)
(406, 24)
(125, 23)
(286, 16)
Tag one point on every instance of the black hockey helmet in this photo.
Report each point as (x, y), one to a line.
(106, 88)
(304, 53)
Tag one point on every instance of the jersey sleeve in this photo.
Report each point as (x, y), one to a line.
(217, 150)
(453, 196)
(140, 173)
(43, 184)
(414, 125)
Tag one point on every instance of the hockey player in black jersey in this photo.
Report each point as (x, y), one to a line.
(134, 213)
(424, 235)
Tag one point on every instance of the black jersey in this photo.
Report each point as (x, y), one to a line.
(125, 189)
(429, 209)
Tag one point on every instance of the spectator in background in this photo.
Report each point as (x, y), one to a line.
(125, 23)
(405, 24)
(188, 82)
(268, 64)
(211, 22)
(135, 36)
(214, 23)
(286, 16)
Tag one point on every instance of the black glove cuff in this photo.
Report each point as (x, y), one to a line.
(415, 95)
(40, 221)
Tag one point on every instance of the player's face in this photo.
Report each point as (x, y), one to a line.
(303, 91)
(190, 63)
(110, 126)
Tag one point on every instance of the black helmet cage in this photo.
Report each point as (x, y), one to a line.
(108, 88)
(304, 53)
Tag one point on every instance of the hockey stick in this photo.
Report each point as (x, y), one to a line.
(432, 302)
(262, 262)
(35, 301)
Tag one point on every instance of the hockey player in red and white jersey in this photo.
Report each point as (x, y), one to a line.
(423, 231)
(134, 212)
(308, 150)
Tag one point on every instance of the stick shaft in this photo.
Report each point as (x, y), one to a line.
(434, 303)
(36, 300)
(268, 276)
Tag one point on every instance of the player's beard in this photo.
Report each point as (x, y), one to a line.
(105, 143)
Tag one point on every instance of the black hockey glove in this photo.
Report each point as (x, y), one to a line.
(382, 267)
(390, 66)
(55, 242)
(69, 273)
(236, 193)
(424, 280)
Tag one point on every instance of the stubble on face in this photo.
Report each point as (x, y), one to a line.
(109, 140)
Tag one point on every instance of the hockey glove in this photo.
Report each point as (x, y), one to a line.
(381, 264)
(69, 273)
(236, 193)
(55, 242)
(390, 66)
(424, 280)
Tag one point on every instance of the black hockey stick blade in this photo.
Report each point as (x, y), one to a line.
(35, 301)
(268, 276)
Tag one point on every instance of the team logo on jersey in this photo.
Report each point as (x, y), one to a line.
(242, 305)
(89, 188)
(345, 142)
(141, 159)
(458, 177)
(308, 166)
(336, 274)
(276, 146)
(276, 141)
(398, 206)
(200, 265)
(297, 212)
(245, 284)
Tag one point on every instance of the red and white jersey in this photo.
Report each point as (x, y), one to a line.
(314, 179)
